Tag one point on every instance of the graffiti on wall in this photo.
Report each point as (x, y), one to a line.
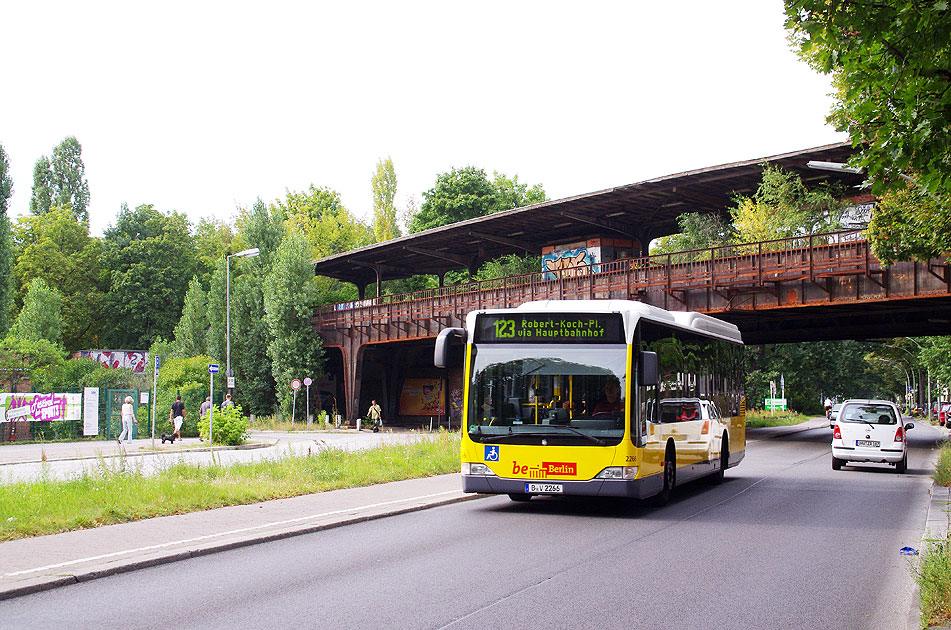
(112, 359)
(570, 263)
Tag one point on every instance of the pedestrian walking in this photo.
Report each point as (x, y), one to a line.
(375, 415)
(205, 406)
(128, 419)
(227, 402)
(177, 417)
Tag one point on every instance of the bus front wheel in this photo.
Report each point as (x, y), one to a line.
(670, 477)
(724, 461)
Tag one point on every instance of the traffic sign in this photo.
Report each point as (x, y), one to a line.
(213, 368)
(295, 384)
(307, 381)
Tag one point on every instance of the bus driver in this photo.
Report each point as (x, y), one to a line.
(612, 398)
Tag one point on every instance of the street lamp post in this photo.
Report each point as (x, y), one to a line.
(908, 382)
(927, 374)
(248, 253)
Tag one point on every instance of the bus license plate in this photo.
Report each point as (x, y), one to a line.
(544, 488)
(874, 443)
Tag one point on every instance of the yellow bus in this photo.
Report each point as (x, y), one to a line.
(596, 398)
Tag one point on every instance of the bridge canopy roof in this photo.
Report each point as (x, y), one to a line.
(640, 211)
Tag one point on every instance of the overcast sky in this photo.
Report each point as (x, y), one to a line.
(201, 107)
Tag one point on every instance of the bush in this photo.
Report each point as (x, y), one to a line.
(231, 427)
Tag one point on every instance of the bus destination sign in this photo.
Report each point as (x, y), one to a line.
(549, 328)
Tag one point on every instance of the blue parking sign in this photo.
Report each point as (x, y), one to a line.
(491, 453)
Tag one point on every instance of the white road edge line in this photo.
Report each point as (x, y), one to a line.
(220, 534)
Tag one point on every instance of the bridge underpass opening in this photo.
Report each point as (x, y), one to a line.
(401, 377)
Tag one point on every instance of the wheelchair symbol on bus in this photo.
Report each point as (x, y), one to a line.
(491, 453)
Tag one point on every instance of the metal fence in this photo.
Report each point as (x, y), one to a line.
(110, 425)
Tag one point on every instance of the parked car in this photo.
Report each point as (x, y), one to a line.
(870, 431)
(943, 414)
(833, 414)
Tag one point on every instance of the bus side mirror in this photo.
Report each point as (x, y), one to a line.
(647, 368)
(444, 342)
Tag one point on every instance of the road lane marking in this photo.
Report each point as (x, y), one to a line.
(290, 521)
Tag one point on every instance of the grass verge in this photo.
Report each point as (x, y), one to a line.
(934, 569)
(119, 493)
(942, 470)
(757, 418)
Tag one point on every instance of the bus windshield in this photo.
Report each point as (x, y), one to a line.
(548, 395)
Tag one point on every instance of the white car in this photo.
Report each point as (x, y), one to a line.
(870, 431)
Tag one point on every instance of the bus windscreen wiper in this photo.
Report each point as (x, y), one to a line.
(541, 434)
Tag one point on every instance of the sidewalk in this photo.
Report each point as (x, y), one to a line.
(44, 562)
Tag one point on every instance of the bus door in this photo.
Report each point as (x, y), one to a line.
(651, 431)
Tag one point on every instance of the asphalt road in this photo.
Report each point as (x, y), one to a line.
(785, 542)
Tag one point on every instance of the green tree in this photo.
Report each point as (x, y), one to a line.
(6, 244)
(812, 371)
(214, 239)
(909, 224)
(697, 231)
(42, 196)
(20, 357)
(467, 193)
(509, 265)
(891, 65)
(41, 316)
(513, 194)
(384, 201)
(61, 181)
(250, 339)
(458, 195)
(74, 374)
(783, 206)
(58, 249)
(934, 357)
(891, 62)
(192, 328)
(151, 258)
(295, 349)
(260, 227)
(328, 226)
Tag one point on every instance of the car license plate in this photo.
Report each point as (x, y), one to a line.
(874, 443)
(544, 488)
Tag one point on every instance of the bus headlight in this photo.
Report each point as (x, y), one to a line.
(471, 468)
(618, 472)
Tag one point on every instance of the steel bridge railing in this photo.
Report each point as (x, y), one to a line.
(810, 257)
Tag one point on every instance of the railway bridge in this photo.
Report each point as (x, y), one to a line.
(811, 288)
(594, 246)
